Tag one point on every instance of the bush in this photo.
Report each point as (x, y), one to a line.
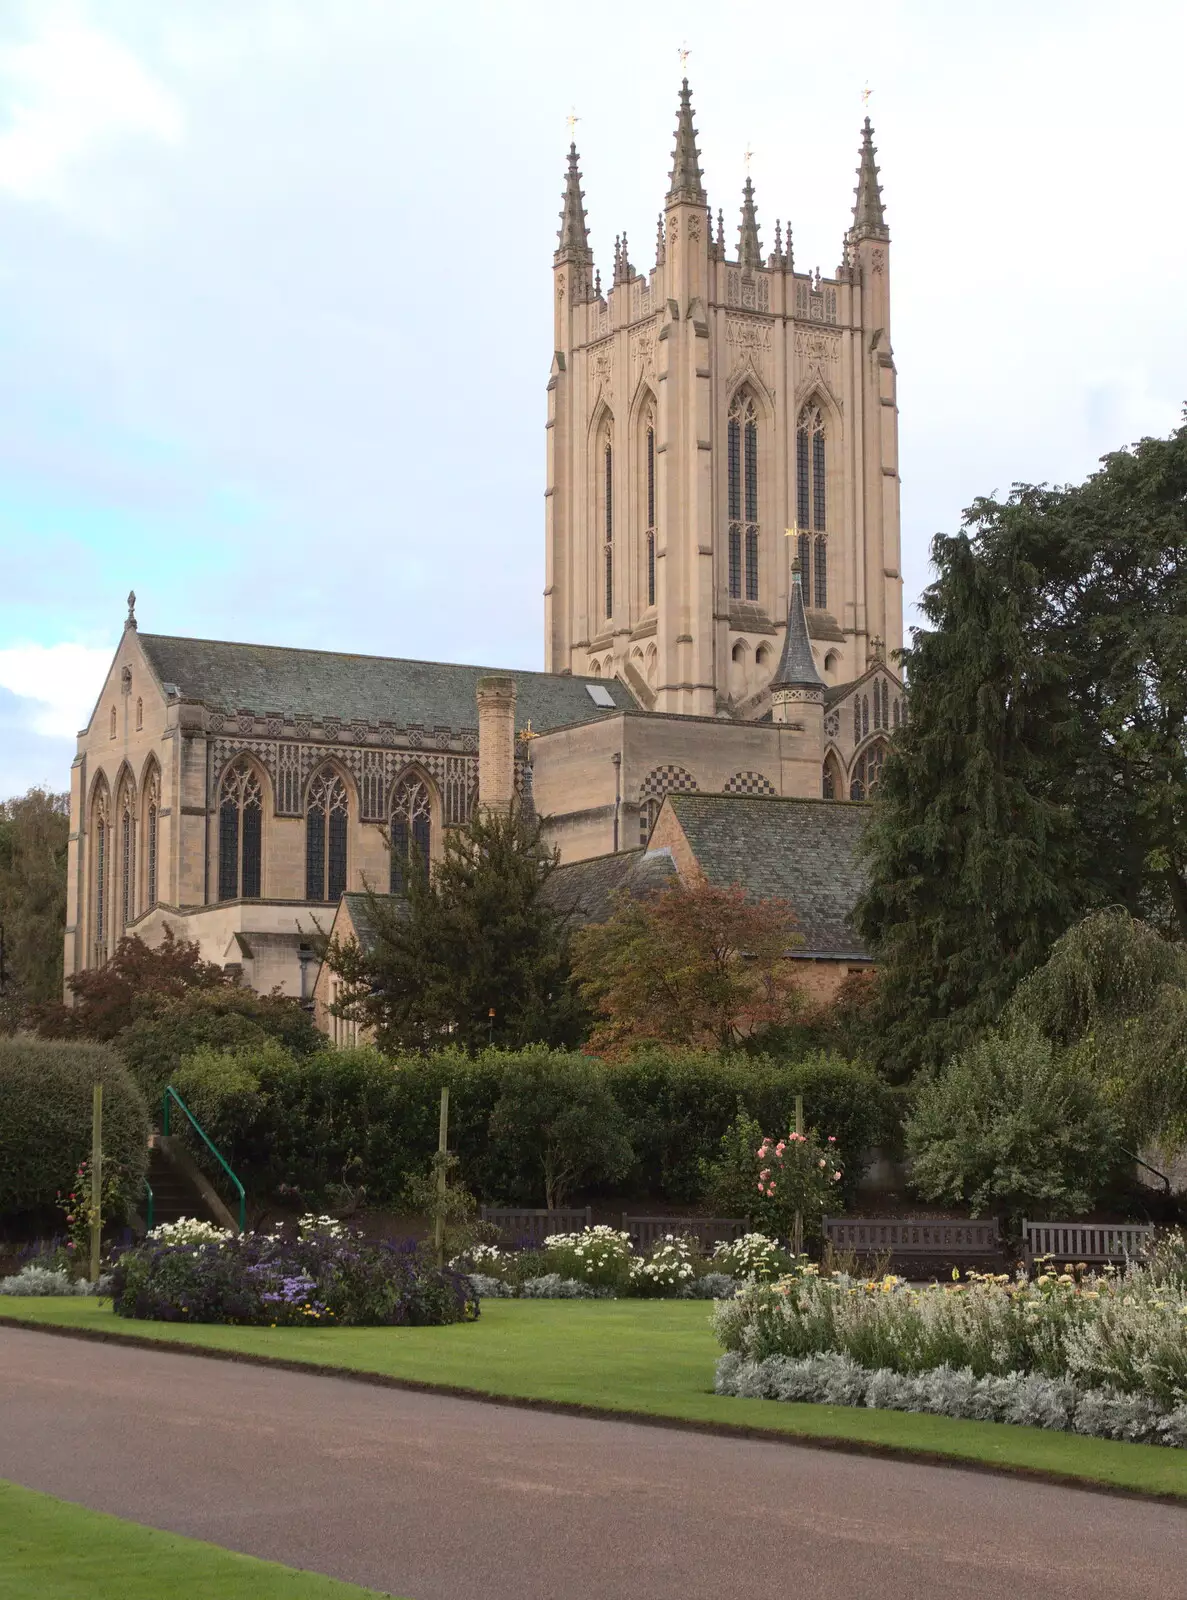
(255, 1279)
(45, 1119)
(771, 1181)
(44, 1281)
(559, 1123)
(1011, 1123)
(598, 1256)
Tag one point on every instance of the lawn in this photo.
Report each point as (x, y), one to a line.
(52, 1550)
(651, 1357)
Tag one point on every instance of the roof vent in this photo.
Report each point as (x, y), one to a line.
(600, 695)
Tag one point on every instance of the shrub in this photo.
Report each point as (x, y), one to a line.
(666, 1268)
(771, 1181)
(1011, 1123)
(266, 1279)
(599, 1256)
(560, 1125)
(45, 1119)
(33, 1280)
(752, 1256)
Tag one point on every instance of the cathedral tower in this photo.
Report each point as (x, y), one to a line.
(695, 415)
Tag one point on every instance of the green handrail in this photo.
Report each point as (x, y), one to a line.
(172, 1094)
(150, 1209)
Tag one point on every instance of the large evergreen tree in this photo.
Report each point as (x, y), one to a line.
(471, 954)
(34, 837)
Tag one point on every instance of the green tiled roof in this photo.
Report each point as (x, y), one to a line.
(803, 851)
(583, 891)
(321, 683)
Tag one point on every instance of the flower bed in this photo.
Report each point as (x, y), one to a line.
(325, 1275)
(1098, 1353)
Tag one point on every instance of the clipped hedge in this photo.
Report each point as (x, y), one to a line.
(355, 1115)
(45, 1118)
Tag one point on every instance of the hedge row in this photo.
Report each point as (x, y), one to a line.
(356, 1116)
(45, 1119)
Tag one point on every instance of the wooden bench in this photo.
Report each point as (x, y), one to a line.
(648, 1231)
(522, 1225)
(1094, 1243)
(916, 1238)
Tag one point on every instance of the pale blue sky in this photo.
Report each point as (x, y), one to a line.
(247, 250)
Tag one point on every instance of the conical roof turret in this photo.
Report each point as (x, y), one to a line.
(797, 666)
(749, 248)
(869, 219)
(686, 159)
(573, 237)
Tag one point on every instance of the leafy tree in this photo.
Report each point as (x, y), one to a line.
(1012, 1122)
(975, 855)
(108, 998)
(34, 836)
(560, 1123)
(471, 954)
(692, 965)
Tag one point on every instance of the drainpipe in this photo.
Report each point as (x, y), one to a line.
(617, 760)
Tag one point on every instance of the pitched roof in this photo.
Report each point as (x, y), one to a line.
(802, 851)
(323, 683)
(358, 909)
(583, 891)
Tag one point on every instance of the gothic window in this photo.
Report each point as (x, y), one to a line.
(101, 845)
(411, 830)
(896, 713)
(650, 512)
(240, 832)
(139, 714)
(865, 715)
(326, 815)
(152, 811)
(810, 508)
(877, 704)
(111, 735)
(857, 719)
(742, 496)
(127, 900)
(885, 704)
(608, 526)
(867, 769)
(832, 786)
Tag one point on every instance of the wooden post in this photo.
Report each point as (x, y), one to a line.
(442, 1148)
(96, 1178)
(798, 1241)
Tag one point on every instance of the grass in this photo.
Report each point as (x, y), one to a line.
(52, 1550)
(650, 1357)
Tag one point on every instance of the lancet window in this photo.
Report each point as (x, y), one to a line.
(411, 830)
(127, 899)
(101, 846)
(810, 505)
(152, 811)
(867, 770)
(608, 525)
(742, 496)
(649, 510)
(240, 832)
(327, 812)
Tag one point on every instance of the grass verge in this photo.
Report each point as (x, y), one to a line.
(53, 1550)
(647, 1358)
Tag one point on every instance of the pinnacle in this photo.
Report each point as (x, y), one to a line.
(869, 218)
(686, 181)
(573, 236)
(749, 248)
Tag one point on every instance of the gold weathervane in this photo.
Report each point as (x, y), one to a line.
(684, 52)
(572, 120)
(865, 95)
(528, 732)
(748, 156)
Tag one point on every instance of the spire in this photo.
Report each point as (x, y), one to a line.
(797, 668)
(869, 219)
(574, 235)
(623, 271)
(749, 249)
(686, 161)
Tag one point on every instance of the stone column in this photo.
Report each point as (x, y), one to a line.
(496, 743)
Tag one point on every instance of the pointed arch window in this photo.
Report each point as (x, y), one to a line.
(742, 496)
(608, 525)
(649, 507)
(101, 830)
(152, 811)
(127, 898)
(326, 817)
(810, 504)
(411, 830)
(240, 832)
(867, 770)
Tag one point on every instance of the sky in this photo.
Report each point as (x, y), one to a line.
(275, 299)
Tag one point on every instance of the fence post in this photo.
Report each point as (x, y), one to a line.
(442, 1148)
(96, 1178)
(798, 1241)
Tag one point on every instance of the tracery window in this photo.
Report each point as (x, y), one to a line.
(101, 848)
(742, 496)
(608, 525)
(240, 832)
(127, 900)
(326, 815)
(810, 504)
(411, 830)
(867, 770)
(151, 814)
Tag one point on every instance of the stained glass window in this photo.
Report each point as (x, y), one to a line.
(810, 488)
(608, 498)
(650, 509)
(742, 545)
(867, 770)
(326, 816)
(127, 856)
(411, 830)
(150, 854)
(240, 832)
(820, 575)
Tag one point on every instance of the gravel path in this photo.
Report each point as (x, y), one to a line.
(443, 1499)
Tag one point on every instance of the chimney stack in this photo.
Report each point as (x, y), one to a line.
(496, 743)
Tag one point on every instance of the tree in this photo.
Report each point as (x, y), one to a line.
(691, 965)
(1011, 1122)
(138, 976)
(34, 837)
(975, 854)
(471, 954)
(561, 1124)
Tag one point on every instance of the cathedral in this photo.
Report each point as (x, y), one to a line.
(722, 604)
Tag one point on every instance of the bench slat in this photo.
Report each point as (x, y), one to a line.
(648, 1231)
(532, 1225)
(1085, 1241)
(914, 1236)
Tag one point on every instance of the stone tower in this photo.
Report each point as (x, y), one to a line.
(697, 413)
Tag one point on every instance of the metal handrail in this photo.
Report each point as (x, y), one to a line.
(172, 1094)
(150, 1209)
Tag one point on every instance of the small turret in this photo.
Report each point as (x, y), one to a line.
(796, 681)
(573, 237)
(686, 181)
(869, 218)
(749, 248)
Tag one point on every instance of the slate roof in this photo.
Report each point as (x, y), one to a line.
(583, 891)
(322, 683)
(358, 909)
(797, 665)
(803, 851)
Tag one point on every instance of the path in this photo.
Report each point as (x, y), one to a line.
(443, 1499)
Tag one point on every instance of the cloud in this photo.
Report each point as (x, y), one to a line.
(56, 686)
(69, 89)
